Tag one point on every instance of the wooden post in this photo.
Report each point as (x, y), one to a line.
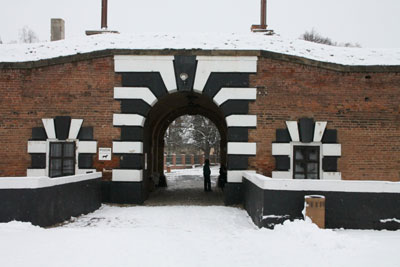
(103, 14)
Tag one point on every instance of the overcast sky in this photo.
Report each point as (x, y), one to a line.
(371, 23)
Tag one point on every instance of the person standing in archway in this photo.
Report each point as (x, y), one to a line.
(206, 174)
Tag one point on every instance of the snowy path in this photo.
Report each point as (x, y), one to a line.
(189, 236)
(186, 187)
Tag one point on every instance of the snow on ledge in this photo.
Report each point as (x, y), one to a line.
(268, 183)
(202, 41)
(41, 182)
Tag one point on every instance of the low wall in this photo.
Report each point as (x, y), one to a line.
(349, 204)
(47, 201)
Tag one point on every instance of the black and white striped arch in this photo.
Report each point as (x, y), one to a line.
(145, 79)
(61, 129)
(306, 132)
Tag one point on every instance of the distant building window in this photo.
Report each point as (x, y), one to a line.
(306, 162)
(62, 159)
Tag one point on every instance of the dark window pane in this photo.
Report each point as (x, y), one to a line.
(299, 176)
(68, 167)
(69, 150)
(299, 167)
(299, 154)
(55, 167)
(55, 149)
(312, 176)
(313, 154)
(312, 167)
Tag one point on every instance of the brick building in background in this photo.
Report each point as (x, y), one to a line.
(287, 110)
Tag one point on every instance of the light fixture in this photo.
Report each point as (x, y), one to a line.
(183, 76)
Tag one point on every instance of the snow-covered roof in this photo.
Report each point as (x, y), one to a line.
(204, 41)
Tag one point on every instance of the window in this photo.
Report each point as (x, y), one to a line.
(62, 159)
(306, 162)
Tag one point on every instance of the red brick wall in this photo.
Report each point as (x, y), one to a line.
(80, 90)
(365, 112)
(369, 131)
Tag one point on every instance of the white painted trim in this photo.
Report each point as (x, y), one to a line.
(228, 93)
(208, 64)
(331, 150)
(35, 173)
(281, 149)
(86, 147)
(162, 64)
(36, 147)
(76, 125)
(332, 176)
(143, 93)
(281, 175)
(127, 147)
(319, 130)
(128, 120)
(236, 176)
(293, 130)
(40, 182)
(121, 175)
(50, 128)
(241, 121)
(323, 185)
(242, 148)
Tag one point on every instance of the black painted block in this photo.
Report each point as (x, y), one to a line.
(233, 194)
(237, 162)
(235, 107)
(329, 164)
(282, 163)
(131, 133)
(39, 133)
(187, 65)
(50, 205)
(218, 80)
(62, 124)
(306, 130)
(135, 106)
(85, 161)
(127, 192)
(238, 134)
(152, 80)
(330, 136)
(85, 133)
(283, 136)
(131, 161)
(38, 161)
(105, 191)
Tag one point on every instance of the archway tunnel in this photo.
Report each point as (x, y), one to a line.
(163, 113)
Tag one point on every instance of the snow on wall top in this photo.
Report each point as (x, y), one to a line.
(205, 41)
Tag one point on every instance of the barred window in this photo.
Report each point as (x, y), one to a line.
(62, 159)
(306, 162)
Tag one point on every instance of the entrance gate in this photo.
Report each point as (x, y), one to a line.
(154, 90)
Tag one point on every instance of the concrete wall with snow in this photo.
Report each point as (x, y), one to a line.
(349, 204)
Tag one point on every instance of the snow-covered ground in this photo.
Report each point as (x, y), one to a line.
(190, 236)
(205, 41)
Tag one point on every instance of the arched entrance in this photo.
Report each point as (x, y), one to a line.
(159, 118)
(154, 90)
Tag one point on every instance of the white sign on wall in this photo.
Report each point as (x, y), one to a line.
(104, 153)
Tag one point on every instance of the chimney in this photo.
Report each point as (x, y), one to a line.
(57, 29)
(103, 14)
(103, 21)
(262, 27)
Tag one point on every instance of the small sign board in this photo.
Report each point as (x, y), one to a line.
(104, 153)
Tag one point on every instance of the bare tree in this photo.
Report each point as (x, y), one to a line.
(196, 132)
(314, 36)
(27, 35)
